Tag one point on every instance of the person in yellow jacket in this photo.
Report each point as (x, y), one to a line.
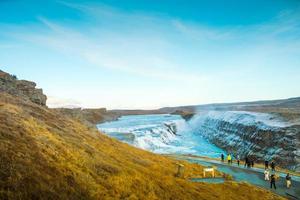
(229, 159)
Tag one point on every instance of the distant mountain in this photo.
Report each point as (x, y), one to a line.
(287, 105)
(286, 108)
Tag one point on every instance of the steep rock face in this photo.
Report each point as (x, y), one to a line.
(21, 88)
(259, 135)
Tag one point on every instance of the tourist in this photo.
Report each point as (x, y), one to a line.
(238, 160)
(273, 166)
(273, 180)
(267, 175)
(222, 157)
(249, 164)
(229, 159)
(246, 161)
(288, 179)
(252, 163)
(266, 164)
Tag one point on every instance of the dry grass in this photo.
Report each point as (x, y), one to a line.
(45, 155)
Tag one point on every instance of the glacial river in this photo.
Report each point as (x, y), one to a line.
(160, 134)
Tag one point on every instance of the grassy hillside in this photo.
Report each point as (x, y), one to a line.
(46, 155)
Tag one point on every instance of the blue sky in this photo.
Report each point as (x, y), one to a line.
(150, 54)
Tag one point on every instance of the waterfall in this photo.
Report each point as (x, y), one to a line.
(160, 134)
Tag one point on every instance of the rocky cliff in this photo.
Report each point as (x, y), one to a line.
(262, 136)
(21, 88)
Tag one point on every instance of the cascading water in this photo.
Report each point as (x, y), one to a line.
(160, 134)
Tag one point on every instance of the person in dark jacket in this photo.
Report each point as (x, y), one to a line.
(273, 181)
(266, 164)
(252, 163)
(246, 161)
(222, 157)
(238, 160)
(249, 164)
(273, 166)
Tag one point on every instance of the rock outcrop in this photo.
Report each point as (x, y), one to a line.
(184, 114)
(258, 135)
(21, 88)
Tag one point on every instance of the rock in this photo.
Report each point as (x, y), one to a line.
(21, 88)
(261, 140)
(184, 114)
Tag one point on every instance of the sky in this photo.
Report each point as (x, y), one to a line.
(146, 54)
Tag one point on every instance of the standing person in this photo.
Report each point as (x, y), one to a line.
(288, 179)
(267, 175)
(252, 163)
(266, 164)
(238, 160)
(273, 166)
(273, 180)
(229, 159)
(246, 161)
(222, 157)
(249, 164)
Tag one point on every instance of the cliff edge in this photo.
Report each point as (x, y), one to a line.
(21, 88)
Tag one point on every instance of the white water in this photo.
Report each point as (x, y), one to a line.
(160, 134)
(261, 120)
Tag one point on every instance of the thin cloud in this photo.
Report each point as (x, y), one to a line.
(286, 23)
(124, 53)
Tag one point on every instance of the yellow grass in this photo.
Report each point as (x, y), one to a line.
(45, 155)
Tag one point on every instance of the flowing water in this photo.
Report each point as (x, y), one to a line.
(160, 134)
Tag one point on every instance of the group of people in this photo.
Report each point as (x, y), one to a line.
(249, 162)
(272, 165)
(274, 177)
(229, 158)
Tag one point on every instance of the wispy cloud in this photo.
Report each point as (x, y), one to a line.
(196, 60)
(138, 53)
(286, 23)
